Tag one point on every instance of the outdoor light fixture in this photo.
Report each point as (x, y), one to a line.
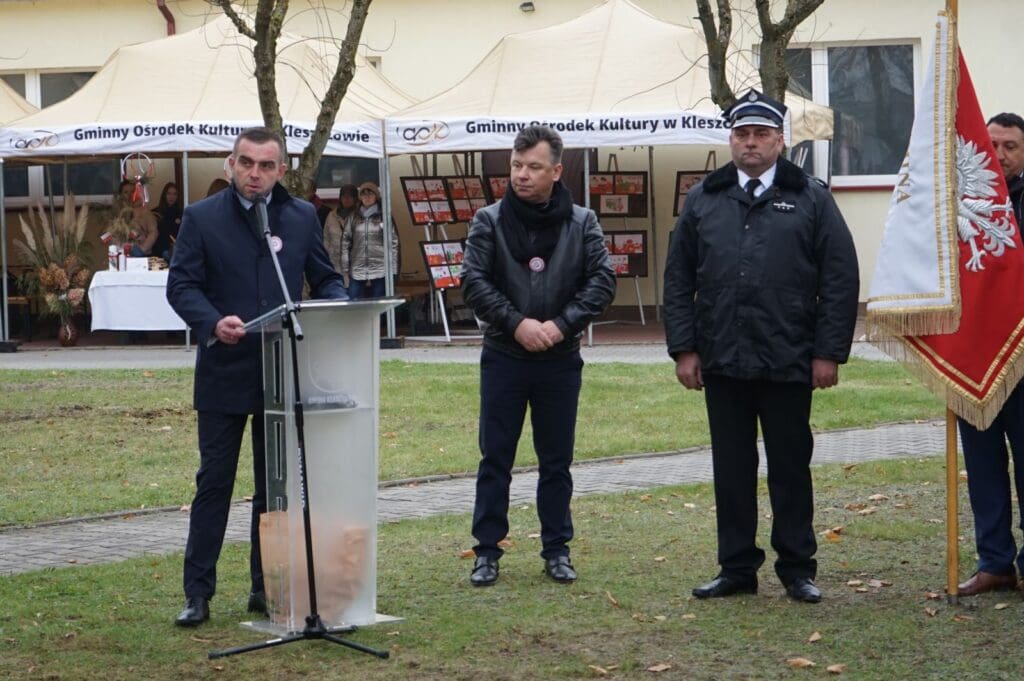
(526, 7)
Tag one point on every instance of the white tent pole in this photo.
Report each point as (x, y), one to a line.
(4, 331)
(184, 179)
(654, 241)
(385, 193)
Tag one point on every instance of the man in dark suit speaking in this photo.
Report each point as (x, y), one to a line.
(221, 276)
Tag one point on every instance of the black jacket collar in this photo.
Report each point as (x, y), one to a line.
(788, 176)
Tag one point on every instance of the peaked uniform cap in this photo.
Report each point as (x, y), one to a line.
(755, 108)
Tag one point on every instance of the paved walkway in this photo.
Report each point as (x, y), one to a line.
(87, 541)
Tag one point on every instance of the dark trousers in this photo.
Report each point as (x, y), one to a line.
(988, 482)
(366, 288)
(220, 438)
(551, 388)
(734, 409)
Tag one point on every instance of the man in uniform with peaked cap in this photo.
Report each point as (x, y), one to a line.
(761, 287)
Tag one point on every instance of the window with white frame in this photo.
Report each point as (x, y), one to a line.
(871, 90)
(94, 180)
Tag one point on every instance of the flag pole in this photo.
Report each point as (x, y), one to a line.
(952, 460)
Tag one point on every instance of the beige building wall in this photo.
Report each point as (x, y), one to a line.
(425, 47)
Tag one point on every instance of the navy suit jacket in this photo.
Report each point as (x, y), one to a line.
(222, 266)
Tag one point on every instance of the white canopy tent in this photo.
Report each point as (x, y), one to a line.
(614, 76)
(194, 92)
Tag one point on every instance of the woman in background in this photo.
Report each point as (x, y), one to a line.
(168, 215)
(362, 246)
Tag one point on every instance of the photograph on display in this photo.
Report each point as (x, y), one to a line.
(602, 184)
(633, 183)
(434, 253)
(613, 204)
(453, 253)
(627, 251)
(685, 181)
(456, 187)
(628, 244)
(442, 211)
(463, 210)
(474, 188)
(456, 271)
(414, 189)
(498, 185)
(620, 263)
(619, 194)
(435, 188)
(420, 211)
(441, 277)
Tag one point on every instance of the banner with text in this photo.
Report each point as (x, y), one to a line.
(349, 139)
(408, 136)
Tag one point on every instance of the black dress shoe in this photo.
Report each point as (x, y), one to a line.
(722, 586)
(802, 589)
(485, 571)
(197, 611)
(258, 602)
(560, 569)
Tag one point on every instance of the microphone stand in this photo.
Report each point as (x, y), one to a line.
(314, 629)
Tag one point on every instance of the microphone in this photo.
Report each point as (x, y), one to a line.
(260, 202)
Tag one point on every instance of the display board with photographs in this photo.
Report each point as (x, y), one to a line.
(444, 262)
(685, 181)
(622, 195)
(440, 200)
(627, 252)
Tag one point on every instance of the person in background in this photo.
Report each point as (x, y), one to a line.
(217, 185)
(985, 453)
(221, 276)
(761, 286)
(322, 209)
(362, 246)
(334, 228)
(168, 215)
(536, 271)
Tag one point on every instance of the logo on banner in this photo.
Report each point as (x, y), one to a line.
(40, 138)
(426, 133)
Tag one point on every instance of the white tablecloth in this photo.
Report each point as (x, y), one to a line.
(132, 301)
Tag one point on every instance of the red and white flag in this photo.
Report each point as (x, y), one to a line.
(947, 292)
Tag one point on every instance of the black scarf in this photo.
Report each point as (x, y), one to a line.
(519, 218)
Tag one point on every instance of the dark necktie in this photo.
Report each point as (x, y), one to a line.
(752, 186)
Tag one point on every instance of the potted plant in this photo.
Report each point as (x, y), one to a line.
(58, 254)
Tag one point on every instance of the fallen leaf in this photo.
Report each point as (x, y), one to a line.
(660, 618)
(533, 535)
(392, 633)
(506, 543)
(660, 667)
(689, 505)
(935, 521)
(855, 506)
(611, 599)
(599, 670)
(854, 582)
(148, 374)
(962, 618)
(875, 583)
(815, 637)
(799, 663)
(878, 497)
(218, 667)
(849, 466)
(867, 511)
(831, 535)
(901, 505)
(72, 560)
(645, 497)
(933, 596)
(670, 512)
(1002, 606)
(166, 429)
(836, 668)
(186, 508)
(931, 612)
(660, 559)
(688, 616)
(468, 553)
(861, 589)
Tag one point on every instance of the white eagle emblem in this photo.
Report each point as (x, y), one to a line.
(978, 217)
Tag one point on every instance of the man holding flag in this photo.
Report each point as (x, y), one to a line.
(946, 295)
(985, 455)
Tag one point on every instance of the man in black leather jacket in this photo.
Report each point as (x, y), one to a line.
(761, 287)
(536, 272)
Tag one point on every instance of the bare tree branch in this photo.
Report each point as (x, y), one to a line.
(718, 45)
(236, 19)
(775, 40)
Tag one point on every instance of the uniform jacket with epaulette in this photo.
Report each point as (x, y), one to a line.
(759, 287)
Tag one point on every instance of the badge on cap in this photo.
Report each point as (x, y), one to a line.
(537, 264)
(276, 244)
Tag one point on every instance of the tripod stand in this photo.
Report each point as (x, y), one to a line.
(315, 628)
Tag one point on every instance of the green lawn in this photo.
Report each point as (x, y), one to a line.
(84, 442)
(639, 554)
